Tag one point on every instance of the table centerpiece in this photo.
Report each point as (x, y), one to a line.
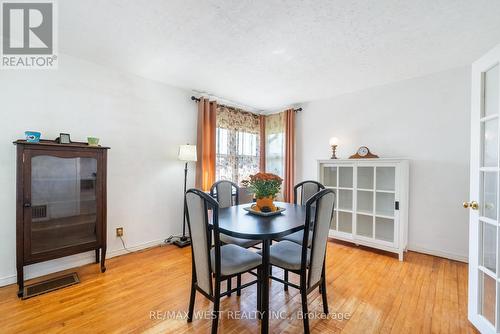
(265, 187)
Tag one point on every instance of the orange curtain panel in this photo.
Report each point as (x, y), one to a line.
(206, 144)
(289, 179)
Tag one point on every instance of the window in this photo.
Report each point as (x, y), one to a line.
(238, 140)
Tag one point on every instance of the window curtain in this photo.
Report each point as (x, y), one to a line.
(275, 144)
(238, 144)
(206, 141)
(289, 155)
(262, 162)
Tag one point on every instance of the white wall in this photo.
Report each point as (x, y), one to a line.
(424, 119)
(142, 121)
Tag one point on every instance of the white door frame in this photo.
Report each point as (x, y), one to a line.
(478, 68)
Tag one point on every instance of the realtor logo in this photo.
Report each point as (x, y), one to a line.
(28, 35)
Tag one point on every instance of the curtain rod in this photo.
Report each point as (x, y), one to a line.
(197, 99)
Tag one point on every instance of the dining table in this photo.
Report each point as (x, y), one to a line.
(239, 223)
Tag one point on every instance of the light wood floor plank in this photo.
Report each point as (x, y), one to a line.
(423, 294)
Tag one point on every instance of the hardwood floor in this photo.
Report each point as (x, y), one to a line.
(378, 294)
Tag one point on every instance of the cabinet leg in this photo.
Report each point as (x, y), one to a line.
(103, 258)
(97, 257)
(400, 256)
(20, 281)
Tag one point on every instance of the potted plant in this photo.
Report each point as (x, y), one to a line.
(265, 187)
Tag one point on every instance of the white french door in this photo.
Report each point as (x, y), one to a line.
(484, 278)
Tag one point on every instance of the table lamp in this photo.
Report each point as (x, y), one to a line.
(187, 153)
(334, 141)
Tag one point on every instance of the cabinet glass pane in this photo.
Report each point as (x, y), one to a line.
(63, 202)
(385, 204)
(345, 199)
(491, 89)
(365, 177)
(384, 229)
(386, 178)
(365, 202)
(487, 297)
(333, 223)
(330, 176)
(345, 222)
(490, 143)
(488, 244)
(364, 225)
(345, 177)
(488, 200)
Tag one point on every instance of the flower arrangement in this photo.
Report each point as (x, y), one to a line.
(265, 186)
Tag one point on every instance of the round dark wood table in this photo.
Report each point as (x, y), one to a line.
(237, 222)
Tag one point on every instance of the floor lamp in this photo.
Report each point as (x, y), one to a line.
(187, 153)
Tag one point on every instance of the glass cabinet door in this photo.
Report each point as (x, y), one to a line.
(385, 199)
(63, 202)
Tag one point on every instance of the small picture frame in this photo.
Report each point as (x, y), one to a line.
(64, 138)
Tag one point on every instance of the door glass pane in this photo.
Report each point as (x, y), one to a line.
(365, 201)
(345, 199)
(490, 143)
(386, 178)
(491, 89)
(345, 177)
(487, 297)
(365, 177)
(489, 195)
(385, 204)
(345, 222)
(384, 229)
(488, 245)
(364, 225)
(330, 176)
(63, 199)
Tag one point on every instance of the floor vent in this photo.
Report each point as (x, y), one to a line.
(50, 285)
(38, 211)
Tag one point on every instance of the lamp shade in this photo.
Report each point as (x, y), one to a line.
(187, 152)
(334, 141)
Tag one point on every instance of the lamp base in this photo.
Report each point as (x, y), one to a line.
(183, 242)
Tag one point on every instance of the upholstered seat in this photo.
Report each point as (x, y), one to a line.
(235, 259)
(297, 237)
(246, 243)
(287, 255)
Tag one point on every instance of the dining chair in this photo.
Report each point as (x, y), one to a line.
(220, 261)
(308, 262)
(301, 193)
(227, 194)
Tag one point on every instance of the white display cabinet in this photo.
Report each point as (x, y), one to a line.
(371, 206)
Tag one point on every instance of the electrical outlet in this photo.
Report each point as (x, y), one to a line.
(119, 231)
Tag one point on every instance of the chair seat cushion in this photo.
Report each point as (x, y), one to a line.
(297, 237)
(235, 259)
(245, 243)
(287, 255)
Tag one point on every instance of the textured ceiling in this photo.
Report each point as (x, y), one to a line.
(268, 53)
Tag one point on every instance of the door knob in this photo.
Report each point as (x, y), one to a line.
(473, 205)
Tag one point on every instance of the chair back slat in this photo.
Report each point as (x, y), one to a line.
(197, 205)
(319, 210)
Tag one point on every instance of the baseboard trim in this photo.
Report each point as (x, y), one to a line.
(451, 256)
(76, 261)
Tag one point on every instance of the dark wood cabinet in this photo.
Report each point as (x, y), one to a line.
(61, 202)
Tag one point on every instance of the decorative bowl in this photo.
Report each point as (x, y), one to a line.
(32, 136)
(252, 211)
(93, 141)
